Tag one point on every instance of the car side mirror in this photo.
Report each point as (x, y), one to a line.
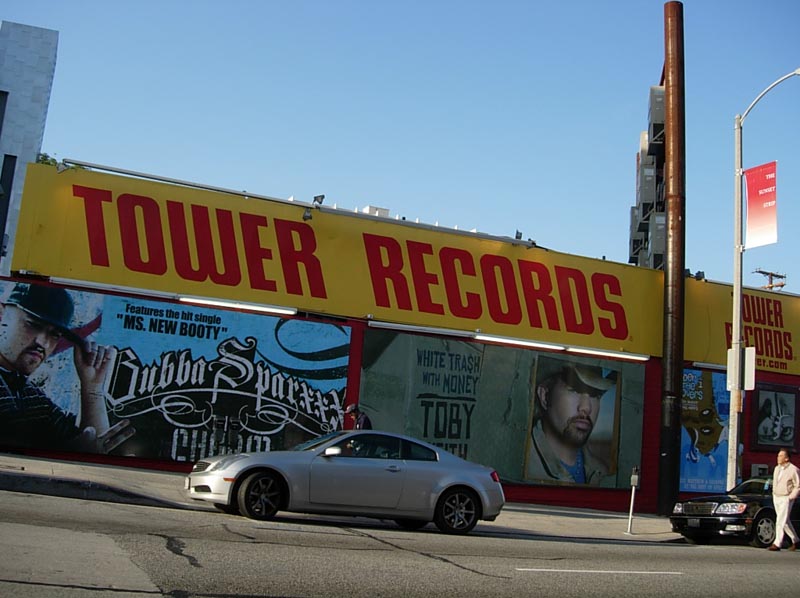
(332, 451)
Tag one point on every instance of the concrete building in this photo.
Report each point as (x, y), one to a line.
(648, 239)
(27, 66)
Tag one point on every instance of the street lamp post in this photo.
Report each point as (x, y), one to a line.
(735, 373)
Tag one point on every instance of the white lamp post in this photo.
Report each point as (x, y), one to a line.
(735, 374)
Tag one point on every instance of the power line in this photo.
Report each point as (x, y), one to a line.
(771, 278)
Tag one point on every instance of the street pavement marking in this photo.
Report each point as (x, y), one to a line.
(600, 571)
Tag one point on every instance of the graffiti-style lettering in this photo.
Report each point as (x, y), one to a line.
(190, 445)
(189, 392)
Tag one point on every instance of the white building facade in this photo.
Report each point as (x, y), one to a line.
(27, 67)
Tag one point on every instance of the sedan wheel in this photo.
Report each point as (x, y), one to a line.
(457, 511)
(763, 530)
(261, 495)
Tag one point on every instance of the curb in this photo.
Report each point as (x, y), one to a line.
(86, 490)
(83, 489)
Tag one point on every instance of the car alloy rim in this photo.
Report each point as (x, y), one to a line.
(459, 511)
(263, 495)
(766, 531)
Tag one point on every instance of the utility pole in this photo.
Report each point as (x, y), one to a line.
(771, 276)
(675, 199)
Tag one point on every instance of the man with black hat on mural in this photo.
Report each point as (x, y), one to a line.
(566, 405)
(33, 319)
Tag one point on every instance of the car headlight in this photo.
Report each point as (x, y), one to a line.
(678, 508)
(731, 508)
(225, 462)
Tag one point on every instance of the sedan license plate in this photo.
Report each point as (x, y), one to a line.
(694, 522)
(186, 483)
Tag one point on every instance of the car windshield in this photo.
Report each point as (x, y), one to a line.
(759, 486)
(315, 442)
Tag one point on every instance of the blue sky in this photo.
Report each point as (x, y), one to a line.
(501, 116)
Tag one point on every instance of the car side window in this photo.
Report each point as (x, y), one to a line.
(416, 452)
(353, 447)
(755, 487)
(383, 447)
(371, 446)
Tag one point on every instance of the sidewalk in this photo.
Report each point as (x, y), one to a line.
(165, 489)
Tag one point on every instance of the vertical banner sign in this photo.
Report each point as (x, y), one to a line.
(762, 209)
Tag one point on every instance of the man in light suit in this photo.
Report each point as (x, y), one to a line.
(785, 488)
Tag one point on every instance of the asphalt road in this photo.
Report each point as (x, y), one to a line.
(159, 488)
(55, 546)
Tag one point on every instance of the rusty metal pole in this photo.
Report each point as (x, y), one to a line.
(674, 284)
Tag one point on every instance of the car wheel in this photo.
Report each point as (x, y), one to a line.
(457, 511)
(411, 524)
(763, 530)
(261, 495)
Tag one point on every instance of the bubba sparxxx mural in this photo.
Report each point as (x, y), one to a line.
(88, 372)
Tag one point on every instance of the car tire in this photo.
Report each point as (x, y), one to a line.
(763, 530)
(457, 511)
(261, 495)
(411, 524)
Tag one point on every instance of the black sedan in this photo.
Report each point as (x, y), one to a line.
(745, 512)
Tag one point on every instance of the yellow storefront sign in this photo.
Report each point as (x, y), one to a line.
(770, 323)
(170, 239)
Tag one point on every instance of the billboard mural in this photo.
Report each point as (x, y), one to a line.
(573, 433)
(424, 387)
(774, 412)
(534, 417)
(705, 408)
(163, 381)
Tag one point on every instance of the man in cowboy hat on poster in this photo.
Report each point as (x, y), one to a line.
(33, 319)
(566, 405)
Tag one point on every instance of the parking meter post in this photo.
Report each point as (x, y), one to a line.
(634, 485)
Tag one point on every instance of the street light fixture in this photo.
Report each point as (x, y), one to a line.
(735, 373)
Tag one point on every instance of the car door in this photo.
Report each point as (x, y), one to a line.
(423, 474)
(368, 473)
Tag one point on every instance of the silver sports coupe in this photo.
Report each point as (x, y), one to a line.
(365, 473)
